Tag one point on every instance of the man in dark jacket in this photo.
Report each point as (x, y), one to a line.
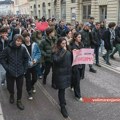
(116, 42)
(14, 59)
(109, 37)
(46, 50)
(96, 41)
(3, 43)
(86, 39)
(61, 29)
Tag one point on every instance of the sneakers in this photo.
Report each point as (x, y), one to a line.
(64, 112)
(3, 83)
(79, 99)
(40, 77)
(72, 89)
(20, 105)
(92, 70)
(98, 65)
(33, 90)
(30, 97)
(11, 100)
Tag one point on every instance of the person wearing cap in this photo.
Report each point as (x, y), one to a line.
(86, 39)
(14, 59)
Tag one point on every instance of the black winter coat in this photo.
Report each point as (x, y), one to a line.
(117, 33)
(106, 38)
(14, 60)
(96, 39)
(62, 68)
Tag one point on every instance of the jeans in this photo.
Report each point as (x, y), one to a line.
(117, 48)
(96, 50)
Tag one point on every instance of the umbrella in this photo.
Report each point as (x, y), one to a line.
(42, 26)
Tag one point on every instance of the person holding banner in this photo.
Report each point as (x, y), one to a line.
(77, 70)
(62, 71)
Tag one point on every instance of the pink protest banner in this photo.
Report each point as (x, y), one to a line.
(83, 56)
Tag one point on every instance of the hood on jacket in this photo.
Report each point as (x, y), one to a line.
(13, 44)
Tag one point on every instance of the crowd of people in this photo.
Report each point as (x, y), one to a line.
(27, 53)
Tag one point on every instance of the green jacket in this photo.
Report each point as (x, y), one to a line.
(46, 47)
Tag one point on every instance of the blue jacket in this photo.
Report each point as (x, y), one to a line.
(35, 54)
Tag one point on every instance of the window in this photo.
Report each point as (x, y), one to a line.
(86, 11)
(103, 12)
(48, 4)
(73, 1)
(63, 9)
(31, 7)
(34, 6)
(39, 6)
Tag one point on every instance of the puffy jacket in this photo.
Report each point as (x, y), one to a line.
(14, 59)
(62, 68)
(46, 48)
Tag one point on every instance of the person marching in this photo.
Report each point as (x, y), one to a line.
(46, 50)
(77, 70)
(4, 41)
(109, 38)
(34, 57)
(14, 59)
(62, 71)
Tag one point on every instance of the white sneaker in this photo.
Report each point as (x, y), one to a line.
(40, 77)
(79, 99)
(33, 90)
(30, 97)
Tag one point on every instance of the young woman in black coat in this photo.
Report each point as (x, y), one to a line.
(77, 70)
(62, 71)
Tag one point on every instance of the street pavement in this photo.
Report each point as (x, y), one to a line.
(45, 106)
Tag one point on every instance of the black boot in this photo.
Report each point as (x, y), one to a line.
(92, 70)
(64, 112)
(20, 105)
(11, 100)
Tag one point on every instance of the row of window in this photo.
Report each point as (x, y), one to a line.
(39, 5)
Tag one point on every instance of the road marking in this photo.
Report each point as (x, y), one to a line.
(51, 99)
(1, 113)
(118, 68)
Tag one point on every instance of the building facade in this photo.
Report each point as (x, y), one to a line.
(78, 10)
(21, 7)
(6, 7)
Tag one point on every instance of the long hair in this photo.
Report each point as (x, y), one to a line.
(57, 47)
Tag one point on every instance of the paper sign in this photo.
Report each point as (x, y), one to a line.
(83, 56)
